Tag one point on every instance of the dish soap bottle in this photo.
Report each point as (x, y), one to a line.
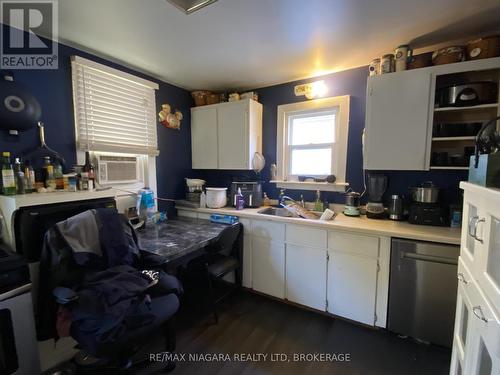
(240, 200)
(266, 201)
(318, 205)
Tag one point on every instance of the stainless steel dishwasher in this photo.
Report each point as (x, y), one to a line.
(423, 290)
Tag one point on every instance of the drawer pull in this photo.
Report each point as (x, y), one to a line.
(461, 278)
(478, 312)
(475, 229)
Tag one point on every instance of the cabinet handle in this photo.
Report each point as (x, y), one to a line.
(478, 312)
(475, 229)
(461, 278)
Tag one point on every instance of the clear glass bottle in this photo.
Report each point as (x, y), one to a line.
(8, 178)
(19, 175)
(266, 201)
(29, 177)
(48, 168)
(58, 176)
(318, 205)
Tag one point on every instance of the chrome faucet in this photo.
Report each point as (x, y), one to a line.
(286, 197)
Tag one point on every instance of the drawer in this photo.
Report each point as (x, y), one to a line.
(204, 216)
(185, 213)
(268, 229)
(463, 274)
(353, 243)
(302, 235)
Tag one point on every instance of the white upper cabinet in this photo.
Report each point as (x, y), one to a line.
(204, 138)
(226, 135)
(397, 120)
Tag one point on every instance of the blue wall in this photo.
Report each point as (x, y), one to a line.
(53, 90)
(350, 82)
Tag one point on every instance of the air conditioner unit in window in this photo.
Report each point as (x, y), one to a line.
(115, 169)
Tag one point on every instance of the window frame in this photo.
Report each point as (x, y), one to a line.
(148, 162)
(286, 113)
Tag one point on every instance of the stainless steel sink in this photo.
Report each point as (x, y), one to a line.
(275, 211)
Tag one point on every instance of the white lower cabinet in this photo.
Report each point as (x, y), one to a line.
(247, 254)
(268, 266)
(352, 286)
(306, 276)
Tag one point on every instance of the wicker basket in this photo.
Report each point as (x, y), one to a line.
(213, 98)
(200, 97)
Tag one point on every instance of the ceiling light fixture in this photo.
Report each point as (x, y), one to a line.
(317, 89)
(190, 6)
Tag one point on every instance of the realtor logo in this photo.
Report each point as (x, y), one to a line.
(28, 34)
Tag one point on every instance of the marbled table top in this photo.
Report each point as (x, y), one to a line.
(179, 237)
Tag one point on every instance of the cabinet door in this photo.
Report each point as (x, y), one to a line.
(482, 355)
(247, 254)
(472, 228)
(306, 276)
(352, 283)
(489, 263)
(204, 138)
(233, 135)
(268, 267)
(397, 121)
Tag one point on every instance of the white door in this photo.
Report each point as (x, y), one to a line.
(233, 135)
(204, 138)
(489, 259)
(352, 286)
(397, 121)
(306, 276)
(482, 355)
(268, 267)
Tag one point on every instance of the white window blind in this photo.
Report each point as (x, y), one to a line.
(114, 111)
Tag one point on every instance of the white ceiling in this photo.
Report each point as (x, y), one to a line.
(240, 44)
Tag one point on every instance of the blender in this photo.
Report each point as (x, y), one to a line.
(377, 185)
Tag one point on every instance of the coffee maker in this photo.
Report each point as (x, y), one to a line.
(377, 185)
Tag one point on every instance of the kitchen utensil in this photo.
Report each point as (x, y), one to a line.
(427, 192)
(37, 154)
(377, 184)
(19, 110)
(387, 64)
(258, 162)
(420, 61)
(396, 207)
(467, 94)
(448, 55)
(374, 67)
(483, 48)
(401, 56)
(216, 197)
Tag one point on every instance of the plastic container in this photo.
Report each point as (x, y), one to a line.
(216, 197)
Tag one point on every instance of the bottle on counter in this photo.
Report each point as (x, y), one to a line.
(266, 201)
(8, 178)
(58, 176)
(29, 177)
(318, 205)
(48, 174)
(240, 200)
(203, 200)
(88, 167)
(19, 175)
(302, 202)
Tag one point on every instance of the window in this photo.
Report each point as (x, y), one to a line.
(115, 114)
(312, 142)
(114, 111)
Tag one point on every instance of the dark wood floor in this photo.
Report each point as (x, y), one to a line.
(254, 324)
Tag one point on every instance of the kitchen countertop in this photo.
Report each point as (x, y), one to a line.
(362, 224)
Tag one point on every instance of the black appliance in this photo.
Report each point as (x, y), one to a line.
(428, 214)
(31, 223)
(377, 185)
(18, 345)
(251, 191)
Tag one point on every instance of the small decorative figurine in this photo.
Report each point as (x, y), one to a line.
(168, 119)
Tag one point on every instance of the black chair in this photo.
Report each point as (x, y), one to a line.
(62, 276)
(223, 257)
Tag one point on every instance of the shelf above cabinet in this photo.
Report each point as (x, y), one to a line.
(464, 138)
(471, 108)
